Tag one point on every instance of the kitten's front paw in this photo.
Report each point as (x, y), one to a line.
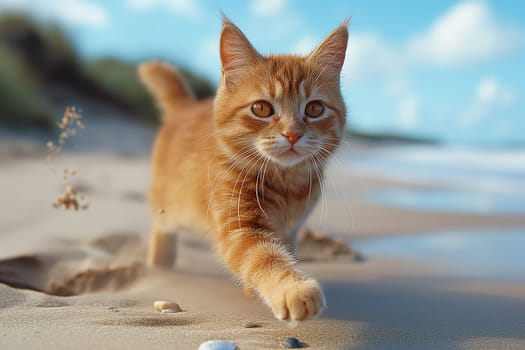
(297, 301)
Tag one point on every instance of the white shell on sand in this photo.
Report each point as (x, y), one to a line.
(217, 345)
(166, 306)
(169, 311)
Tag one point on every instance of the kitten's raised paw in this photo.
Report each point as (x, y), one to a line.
(297, 301)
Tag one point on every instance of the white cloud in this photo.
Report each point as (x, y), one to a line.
(71, 12)
(491, 96)
(304, 46)
(408, 111)
(368, 56)
(208, 58)
(491, 91)
(210, 46)
(190, 8)
(398, 86)
(141, 4)
(267, 8)
(409, 105)
(467, 33)
(82, 12)
(278, 20)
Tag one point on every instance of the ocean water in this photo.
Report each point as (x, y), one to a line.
(446, 200)
(451, 179)
(478, 254)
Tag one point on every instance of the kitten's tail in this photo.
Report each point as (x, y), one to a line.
(167, 86)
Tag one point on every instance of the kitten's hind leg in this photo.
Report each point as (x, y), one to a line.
(315, 246)
(162, 249)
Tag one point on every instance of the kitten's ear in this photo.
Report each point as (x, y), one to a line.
(330, 53)
(237, 54)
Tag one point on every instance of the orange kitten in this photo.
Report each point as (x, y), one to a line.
(246, 168)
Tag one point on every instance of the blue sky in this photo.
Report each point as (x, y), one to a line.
(448, 69)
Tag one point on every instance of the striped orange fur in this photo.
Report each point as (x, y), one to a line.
(246, 168)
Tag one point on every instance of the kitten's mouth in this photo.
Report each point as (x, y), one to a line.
(291, 153)
(289, 158)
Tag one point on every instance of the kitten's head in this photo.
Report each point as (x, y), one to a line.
(283, 108)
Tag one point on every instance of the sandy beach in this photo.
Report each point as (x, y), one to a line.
(79, 280)
(417, 240)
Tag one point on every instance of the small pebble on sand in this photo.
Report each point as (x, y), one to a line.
(251, 324)
(166, 306)
(217, 345)
(292, 343)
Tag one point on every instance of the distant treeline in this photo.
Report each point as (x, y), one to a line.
(388, 137)
(40, 69)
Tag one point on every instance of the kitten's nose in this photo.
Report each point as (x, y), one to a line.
(293, 137)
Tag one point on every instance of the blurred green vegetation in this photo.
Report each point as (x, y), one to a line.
(121, 79)
(21, 101)
(38, 58)
(387, 137)
(21, 105)
(58, 43)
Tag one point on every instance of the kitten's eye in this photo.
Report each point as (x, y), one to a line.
(262, 109)
(314, 109)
